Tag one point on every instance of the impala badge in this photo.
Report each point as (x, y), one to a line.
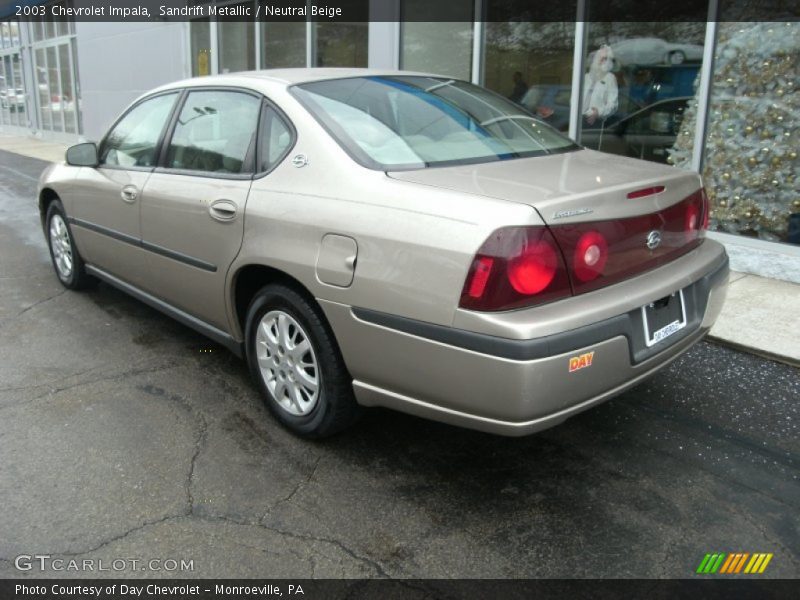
(299, 160)
(653, 239)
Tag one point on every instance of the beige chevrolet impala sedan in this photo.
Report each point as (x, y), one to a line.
(380, 238)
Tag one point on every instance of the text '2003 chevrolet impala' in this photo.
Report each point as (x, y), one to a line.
(371, 238)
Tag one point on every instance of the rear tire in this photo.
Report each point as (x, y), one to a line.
(676, 58)
(297, 365)
(66, 259)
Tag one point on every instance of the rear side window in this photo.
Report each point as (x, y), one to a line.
(276, 139)
(133, 141)
(214, 132)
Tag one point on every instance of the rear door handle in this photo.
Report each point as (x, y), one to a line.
(223, 210)
(129, 193)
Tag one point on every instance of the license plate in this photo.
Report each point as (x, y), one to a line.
(663, 318)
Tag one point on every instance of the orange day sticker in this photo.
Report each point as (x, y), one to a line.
(581, 362)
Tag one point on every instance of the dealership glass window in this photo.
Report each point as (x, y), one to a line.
(200, 42)
(639, 84)
(341, 44)
(437, 38)
(531, 64)
(283, 44)
(750, 163)
(237, 45)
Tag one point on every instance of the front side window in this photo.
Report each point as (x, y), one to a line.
(414, 122)
(214, 132)
(134, 140)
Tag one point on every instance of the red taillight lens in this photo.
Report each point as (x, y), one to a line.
(706, 209)
(534, 269)
(692, 221)
(643, 193)
(591, 254)
(515, 267)
(483, 267)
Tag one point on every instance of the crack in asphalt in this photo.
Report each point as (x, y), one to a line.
(302, 483)
(54, 391)
(8, 320)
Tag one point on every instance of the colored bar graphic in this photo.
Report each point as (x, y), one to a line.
(703, 563)
(733, 563)
(718, 563)
(741, 562)
(765, 563)
(725, 567)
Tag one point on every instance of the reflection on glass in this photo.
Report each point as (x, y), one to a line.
(200, 36)
(42, 79)
(67, 93)
(283, 45)
(640, 79)
(750, 166)
(56, 98)
(237, 45)
(531, 64)
(437, 37)
(341, 44)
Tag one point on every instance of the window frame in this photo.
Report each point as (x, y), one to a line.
(361, 158)
(250, 158)
(266, 104)
(101, 147)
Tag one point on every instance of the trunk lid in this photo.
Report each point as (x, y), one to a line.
(574, 187)
(611, 217)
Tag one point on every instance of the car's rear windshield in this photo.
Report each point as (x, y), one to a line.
(412, 122)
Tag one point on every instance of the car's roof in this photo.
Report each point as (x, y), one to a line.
(290, 76)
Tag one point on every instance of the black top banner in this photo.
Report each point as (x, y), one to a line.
(396, 10)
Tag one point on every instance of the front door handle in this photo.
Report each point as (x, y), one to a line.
(129, 193)
(223, 210)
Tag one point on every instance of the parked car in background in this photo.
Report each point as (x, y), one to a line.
(655, 51)
(385, 238)
(13, 99)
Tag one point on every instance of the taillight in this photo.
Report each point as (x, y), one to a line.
(591, 254)
(706, 209)
(515, 267)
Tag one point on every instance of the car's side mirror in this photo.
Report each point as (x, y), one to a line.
(82, 155)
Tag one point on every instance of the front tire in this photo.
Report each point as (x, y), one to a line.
(296, 363)
(66, 259)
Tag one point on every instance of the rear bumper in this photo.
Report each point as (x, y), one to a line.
(516, 386)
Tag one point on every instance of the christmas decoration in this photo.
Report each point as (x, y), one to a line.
(750, 163)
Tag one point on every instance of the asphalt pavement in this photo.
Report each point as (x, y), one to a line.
(126, 436)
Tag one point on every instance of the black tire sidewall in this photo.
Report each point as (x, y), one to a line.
(279, 297)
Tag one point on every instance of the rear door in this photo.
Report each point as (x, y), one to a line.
(107, 198)
(193, 207)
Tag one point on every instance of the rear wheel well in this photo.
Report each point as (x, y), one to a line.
(46, 196)
(250, 279)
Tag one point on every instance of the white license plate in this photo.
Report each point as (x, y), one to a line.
(663, 318)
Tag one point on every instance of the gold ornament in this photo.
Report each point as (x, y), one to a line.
(776, 160)
(792, 154)
(726, 175)
(796, 203)
(752, 160)
(748, 215)
(723, 203)
(749, 129)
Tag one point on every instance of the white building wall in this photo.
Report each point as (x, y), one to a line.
(119, 61)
